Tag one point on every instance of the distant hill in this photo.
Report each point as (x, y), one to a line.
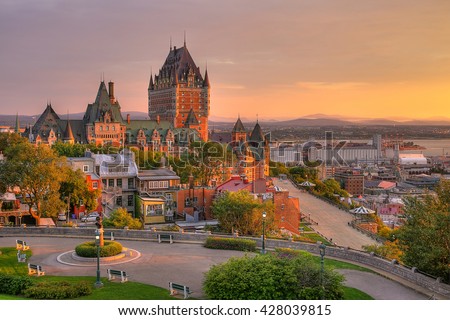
(314, 120)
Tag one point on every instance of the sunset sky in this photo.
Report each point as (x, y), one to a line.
(277, 59)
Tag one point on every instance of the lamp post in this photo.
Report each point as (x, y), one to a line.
(98, 283)
(322, 254)
(263, 250)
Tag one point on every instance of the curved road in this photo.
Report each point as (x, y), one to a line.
(332, 222)
(182, 263)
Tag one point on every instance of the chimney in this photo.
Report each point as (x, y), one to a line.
(128, 118)
(157, 119)
(111, 91)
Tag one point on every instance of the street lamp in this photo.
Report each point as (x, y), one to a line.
(98, 283)
(322, 254)
(263, 250)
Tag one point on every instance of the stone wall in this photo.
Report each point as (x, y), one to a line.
(392, 267)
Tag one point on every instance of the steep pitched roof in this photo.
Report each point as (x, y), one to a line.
(177, 65)
(48, 120)
(257, 134)
(78, 130)
(238, 126)
(95, 111)
(68, 134)
(191, 119)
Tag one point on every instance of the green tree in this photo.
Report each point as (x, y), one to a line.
(205, 161)
(271, 277)
(120, 218)
(277, 168)
(241, 211)
(75, 186)
(37, 172)
(425, 236)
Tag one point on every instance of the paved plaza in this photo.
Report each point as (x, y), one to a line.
(184, 263)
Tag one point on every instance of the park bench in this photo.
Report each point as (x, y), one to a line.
(113, 273)
(22, 245)
(165, 237)
(21, 257)
(175, 288)
(35, 269)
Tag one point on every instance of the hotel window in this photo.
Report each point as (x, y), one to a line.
(85, 168)
(130, 200)
(119, 183)
(119, 200)
(110, 182)
(113, 128)
(130, 183)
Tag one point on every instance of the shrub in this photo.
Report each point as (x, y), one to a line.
(230, 244)
(271, 277)
(58, 290)
(14, 285)
(89, 249)
(120, 218)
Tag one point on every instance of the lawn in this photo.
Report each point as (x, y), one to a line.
(9, 264)
(116, 290)
(355, 294)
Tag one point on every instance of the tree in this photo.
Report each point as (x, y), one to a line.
(425, 236)
(241, 211)
(277, 168)
(120, 218)
(205, 161)
(271, 277)
(37, 172)
(75, 187)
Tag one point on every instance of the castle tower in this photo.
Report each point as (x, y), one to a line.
(238, 134)
(178, 90)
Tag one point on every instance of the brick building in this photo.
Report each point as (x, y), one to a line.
(179, 93)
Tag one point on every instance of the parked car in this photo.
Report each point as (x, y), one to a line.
(62, 217)
(91, 217)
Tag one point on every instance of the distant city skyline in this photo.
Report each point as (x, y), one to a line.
(266, 58)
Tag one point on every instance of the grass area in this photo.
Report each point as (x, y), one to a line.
(9, 264)
(355, 294)
(343, 265)
(116, 290)
(305, 226)
(314, 237)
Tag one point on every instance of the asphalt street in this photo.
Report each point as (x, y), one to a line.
(332, 222)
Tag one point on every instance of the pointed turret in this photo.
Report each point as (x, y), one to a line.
(257, 134)
(151, 86)
(238, 126)
(206, 81)
(68, 134)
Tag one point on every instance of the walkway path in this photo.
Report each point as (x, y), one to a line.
(182, 263)
(332, 222)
